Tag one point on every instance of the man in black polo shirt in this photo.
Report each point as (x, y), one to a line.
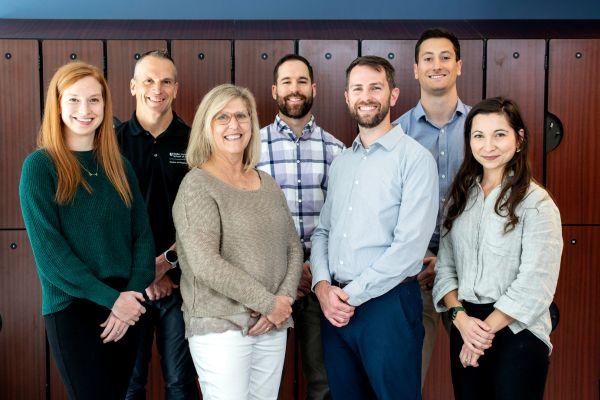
(154, 140)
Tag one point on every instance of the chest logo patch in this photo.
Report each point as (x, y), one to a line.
(177, 158)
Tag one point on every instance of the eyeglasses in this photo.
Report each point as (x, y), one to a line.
(225, 118)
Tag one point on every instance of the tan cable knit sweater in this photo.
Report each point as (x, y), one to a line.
(237, 249)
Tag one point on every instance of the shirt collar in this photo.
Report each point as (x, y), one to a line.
(387, 141)
(461, 109)
(136, 128)
(284, 128)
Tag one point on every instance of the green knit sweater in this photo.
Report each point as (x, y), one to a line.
(77, 246)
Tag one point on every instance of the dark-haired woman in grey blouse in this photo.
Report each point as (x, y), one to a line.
(498, 262)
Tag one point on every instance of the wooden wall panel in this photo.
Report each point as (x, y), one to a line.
(254, 63)
(22, 340)
(56, 53)
(201, 65)
(401, 54)
(573, 170)
(121, 58)
(438, 383)
(575, 361)
(329, 59)
(515, 69)
(19, 120)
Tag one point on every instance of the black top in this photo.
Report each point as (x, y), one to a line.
(160, 165)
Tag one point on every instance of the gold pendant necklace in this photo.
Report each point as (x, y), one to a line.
(90, 173)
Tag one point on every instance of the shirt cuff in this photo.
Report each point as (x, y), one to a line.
(438, 293)
(318, 276)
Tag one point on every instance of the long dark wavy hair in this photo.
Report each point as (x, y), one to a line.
(517, 173)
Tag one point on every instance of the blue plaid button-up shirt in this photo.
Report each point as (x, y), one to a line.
(300, 165)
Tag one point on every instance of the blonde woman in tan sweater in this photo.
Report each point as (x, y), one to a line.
(240, 255)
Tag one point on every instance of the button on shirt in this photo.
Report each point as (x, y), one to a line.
(517, 270)
(378, 218)
(446, 144)
(159, 164)
(300, 166)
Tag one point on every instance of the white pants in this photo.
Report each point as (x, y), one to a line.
(231, 366)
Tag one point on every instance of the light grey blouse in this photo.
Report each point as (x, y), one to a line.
(517, 271)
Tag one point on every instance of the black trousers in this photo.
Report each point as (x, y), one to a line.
(89, 368)
(514, 368)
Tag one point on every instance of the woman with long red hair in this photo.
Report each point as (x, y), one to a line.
(90, 236)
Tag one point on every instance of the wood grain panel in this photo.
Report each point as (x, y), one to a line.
(22, 340)
(329, 59)
(573, 170)
(470, 83)
(254, 63)
(121, 58)
(438, 383)
(515, 69)
(56, 53)
(201, 65)
(575, 361)
(19, 120)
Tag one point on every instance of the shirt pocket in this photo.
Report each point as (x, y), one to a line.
(499, 243)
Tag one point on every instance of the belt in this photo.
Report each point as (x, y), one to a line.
(343, 285)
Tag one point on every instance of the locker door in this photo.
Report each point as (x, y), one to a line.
(22, 339)
(254, 63)
(19, 121)
(573, 171)
(329, 59)
(201, 65)
(515, 69)
(121, 58)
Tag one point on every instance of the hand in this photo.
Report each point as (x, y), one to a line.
(162, 266)
(160, 288)
(282, 310)
(333, 303)
(305, 281)
(468, 358)
(262, 326)
(114, 329)
(128, 307)
(427, 276)
(475, 333)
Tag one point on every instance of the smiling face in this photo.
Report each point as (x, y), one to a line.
(437, 68)
(82, 110)
(154, 85)
(369, 96)
(231, 129)
(493, 142)
(294, 90)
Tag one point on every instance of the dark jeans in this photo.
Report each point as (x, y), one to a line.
(165, 317)
(514, 368)
(89, 368)
(378, 354)
(307, 319)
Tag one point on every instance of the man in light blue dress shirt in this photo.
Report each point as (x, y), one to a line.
(437, 122)
(369, 245)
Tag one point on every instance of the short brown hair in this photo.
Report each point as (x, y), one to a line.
(378, 64)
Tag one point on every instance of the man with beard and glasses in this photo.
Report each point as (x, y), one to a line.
(437, 122)
(369, 244)
(298, 154)
(154, 140)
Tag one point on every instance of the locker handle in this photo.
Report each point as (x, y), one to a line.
(553, 131)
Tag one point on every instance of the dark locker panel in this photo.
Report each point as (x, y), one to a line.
(515, 69)
(201, 65)
(401, 54)
(56, 53)
(254, 63)
(575, 360)
(329, 59)
(572, 169)
(19, 121)
(121, 58)
(22, 340)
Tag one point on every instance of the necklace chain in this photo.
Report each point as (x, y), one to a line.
(88, 171)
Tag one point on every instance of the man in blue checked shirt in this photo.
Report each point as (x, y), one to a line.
(437, 122)
(369, 245)
(298, 154)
